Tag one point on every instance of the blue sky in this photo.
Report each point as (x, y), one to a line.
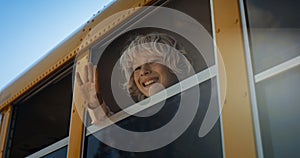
(30, 29)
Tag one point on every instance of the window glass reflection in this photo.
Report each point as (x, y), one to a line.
(274, 31)
(279, 108)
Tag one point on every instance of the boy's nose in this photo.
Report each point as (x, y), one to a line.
(145, 70)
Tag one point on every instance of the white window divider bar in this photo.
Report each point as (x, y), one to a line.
(277, 69)
(51, 148)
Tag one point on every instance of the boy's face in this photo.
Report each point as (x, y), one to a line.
(151, 76)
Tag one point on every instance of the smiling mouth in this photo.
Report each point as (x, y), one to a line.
(149, 82)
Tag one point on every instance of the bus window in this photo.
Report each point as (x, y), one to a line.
(275, 51)
(106, 55)
(42, 117)
(274, 32)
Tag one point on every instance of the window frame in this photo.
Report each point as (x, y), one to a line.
(255, 78)
(236, 115)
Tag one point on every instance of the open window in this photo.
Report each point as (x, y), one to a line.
(106, 53)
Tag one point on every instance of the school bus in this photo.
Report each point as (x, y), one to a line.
(252, 67)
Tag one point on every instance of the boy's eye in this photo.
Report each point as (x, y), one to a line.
(137, 68)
